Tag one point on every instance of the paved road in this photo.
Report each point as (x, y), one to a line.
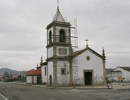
(21, 92)
(3, 97)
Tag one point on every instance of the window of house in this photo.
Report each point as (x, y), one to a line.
(50, 37)
(63, 71)
(88, 58)
(62, 36)
(63, 51)
(45, 71)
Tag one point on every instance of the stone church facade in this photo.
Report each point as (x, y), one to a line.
(65, 67)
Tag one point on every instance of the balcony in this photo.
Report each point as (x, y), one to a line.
(57, 40)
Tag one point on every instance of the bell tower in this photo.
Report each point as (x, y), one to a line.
(58, 50)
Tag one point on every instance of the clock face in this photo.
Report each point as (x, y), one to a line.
(88, 58)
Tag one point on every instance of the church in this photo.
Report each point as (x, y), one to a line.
(65, 67)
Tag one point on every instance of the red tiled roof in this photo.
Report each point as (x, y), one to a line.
(34, 72)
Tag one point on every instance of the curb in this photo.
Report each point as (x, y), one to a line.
(116, 87)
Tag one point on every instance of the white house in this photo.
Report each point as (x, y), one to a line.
(33, 76)
(125, 72)
(44, 72)
(114, 75)
(89, 69)
(65, 67)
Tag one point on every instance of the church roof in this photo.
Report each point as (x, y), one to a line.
(58, 16)
(81, 51)
(78, 52)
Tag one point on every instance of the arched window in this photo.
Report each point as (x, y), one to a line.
(62, 36)
(50, 37)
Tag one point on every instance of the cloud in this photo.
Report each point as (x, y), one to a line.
(105, 23)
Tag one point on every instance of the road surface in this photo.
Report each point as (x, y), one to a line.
(3, 97)
(21, 92)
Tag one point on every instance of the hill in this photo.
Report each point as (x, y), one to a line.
(10, 71)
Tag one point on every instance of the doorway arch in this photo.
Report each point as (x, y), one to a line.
(50, 80)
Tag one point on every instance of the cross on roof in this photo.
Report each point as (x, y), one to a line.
(57, 4)
(86, 42)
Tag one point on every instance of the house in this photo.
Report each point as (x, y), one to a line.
(66, 67)
(114, 75)
(33, 76)
(38, 75)
(89, 69)
(44, 72)
(125, 70)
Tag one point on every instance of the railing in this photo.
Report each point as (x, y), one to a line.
(56, 39)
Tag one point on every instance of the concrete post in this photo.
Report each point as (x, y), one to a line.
(71, 73)
(54, 85)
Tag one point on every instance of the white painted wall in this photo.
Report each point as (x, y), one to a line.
(63, 79)
(29, 79)
(35, 79)
(50, 70)
(95, 64)
(125, 74)
(50, 52)
(44, 77)
(114, 75)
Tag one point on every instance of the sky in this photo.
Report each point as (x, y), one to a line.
(105, 23)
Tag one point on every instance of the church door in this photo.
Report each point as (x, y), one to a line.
(88, 78)
(39, 80)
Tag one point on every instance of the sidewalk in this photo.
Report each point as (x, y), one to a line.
(115, 86)
(121, 85)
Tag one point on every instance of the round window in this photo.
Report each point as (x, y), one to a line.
(88, 58)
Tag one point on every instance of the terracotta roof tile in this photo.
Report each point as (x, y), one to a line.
(34, 72)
